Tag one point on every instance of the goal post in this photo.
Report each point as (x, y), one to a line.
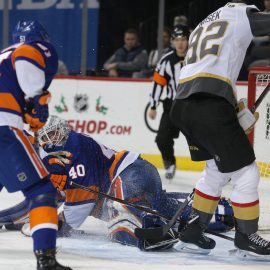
(258, 79)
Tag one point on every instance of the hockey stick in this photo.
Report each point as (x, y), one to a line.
(154, 232)
(220, 235)
(159, 232)
(260, 98)
(139, 207)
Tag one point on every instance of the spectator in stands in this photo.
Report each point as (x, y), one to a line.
(131, 57)
(266, 6)
(258, 53)
(153, 56)
(180, 20)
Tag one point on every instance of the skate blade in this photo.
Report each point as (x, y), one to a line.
(190, 248)
(248, 255)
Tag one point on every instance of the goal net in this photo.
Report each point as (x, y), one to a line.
(259, 77)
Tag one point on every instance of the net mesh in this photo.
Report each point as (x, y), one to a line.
(262, 130)
(261, 142)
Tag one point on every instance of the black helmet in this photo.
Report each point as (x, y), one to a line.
(180, 31)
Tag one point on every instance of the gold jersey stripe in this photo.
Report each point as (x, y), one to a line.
(204, 205)
(246, 213)
(206, 75)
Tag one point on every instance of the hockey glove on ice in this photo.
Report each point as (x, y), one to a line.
(246, 118)
(36, 111)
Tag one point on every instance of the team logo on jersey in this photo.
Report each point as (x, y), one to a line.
(99, 107)
(22, 177)
(62, 107)
(81, 103)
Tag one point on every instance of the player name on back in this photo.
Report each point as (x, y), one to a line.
(212, 17)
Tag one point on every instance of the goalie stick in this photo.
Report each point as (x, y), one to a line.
(139, 207)
(159, 232)
(148, 210)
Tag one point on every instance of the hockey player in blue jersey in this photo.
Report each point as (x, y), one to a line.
(27, 69)
(121, 174)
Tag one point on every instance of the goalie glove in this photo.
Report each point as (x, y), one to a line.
(246, 118)
(36, 111)
(58, 173)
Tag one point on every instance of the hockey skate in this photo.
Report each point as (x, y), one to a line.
(193, 239)
(251, 246)
(170, 172)
(46, 260)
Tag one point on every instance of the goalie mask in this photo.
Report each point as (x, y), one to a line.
(55, 132)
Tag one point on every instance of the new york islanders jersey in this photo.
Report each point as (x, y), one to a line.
(217, 49)
(26, 69)
(93, 165)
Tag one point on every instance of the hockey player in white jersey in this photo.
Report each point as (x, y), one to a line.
(204, 110)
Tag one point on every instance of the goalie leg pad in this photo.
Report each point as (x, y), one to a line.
(122, 223)
(15, 215)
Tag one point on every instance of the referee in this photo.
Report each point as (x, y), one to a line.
(167, 74)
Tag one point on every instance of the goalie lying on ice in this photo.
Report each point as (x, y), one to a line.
(124, 175)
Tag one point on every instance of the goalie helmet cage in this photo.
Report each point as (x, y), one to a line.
(258, 79)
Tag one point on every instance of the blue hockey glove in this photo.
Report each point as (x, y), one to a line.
(36, 111)
(223, 216)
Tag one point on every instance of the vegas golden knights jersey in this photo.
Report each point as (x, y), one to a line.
(217, 48)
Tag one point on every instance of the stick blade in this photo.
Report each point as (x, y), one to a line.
(151, 233)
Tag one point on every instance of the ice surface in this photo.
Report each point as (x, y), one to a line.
(95, 251)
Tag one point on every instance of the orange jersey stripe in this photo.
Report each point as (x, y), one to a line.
(115, 162)
(29, 52)
(78, 195)
(31, 139)
(8, 101)
(43, 214)
(157, 78)
(32, 153)
(123, 229)
(118, 190)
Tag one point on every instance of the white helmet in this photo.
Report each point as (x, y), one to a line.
(55, 132)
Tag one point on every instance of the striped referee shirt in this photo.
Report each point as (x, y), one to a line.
(166, 74)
